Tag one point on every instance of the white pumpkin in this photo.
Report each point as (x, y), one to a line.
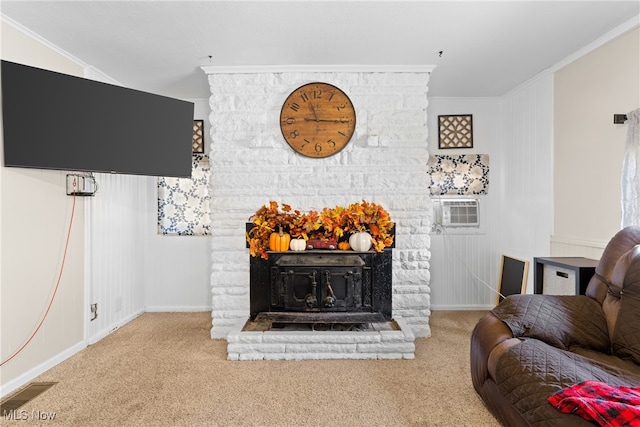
(360, 241)
(298, 245)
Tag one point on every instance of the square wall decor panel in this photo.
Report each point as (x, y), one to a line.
(455, 131)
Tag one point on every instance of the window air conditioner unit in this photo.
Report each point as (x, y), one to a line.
(459, 213)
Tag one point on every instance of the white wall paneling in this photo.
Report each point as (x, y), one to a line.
(116, 250)
(515, 131)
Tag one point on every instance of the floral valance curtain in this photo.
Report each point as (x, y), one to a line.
(459, 175)
(183, 203)
(631, 173)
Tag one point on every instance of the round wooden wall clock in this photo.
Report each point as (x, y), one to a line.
(317, 120)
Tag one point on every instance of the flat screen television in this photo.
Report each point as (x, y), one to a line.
(57, 121)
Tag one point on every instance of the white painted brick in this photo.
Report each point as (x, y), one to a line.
(231, 302)
(410, 301)
(421, 331)
(320, 348)
(251, 356)
(390, 356)
(231, 315)
(219, 331)
(408, 333)
(386, 348)
(248, 337)
(322, 337)
(252, 164)
(414, 277)
(231, 278)
(392, 337)
(244, 348)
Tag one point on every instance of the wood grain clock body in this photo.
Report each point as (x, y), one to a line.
(317, 120)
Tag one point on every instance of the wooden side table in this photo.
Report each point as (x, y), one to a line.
(563, 275)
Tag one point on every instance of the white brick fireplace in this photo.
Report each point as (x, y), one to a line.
(385, 162)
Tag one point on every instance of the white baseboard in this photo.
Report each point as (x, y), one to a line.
(103, 333)
(23, 379)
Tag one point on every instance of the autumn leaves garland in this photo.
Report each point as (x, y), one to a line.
(336, 223)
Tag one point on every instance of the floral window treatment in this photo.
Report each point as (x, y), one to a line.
(183, 203)
(459, 175)
(631, 173)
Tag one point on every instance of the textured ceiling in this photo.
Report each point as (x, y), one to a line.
(488, 48)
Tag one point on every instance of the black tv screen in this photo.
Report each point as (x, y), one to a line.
(57, 121)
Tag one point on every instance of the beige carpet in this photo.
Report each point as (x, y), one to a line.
(162, 369)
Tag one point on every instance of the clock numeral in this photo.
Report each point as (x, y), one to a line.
(331, 96)
(342, 133)
(317, 94)
(341, 106)
(290, 120)
(318, 148)
(344, 120)
(304, 97)
(332, 143)
(294, 106)
(294, 134)
(306, 141)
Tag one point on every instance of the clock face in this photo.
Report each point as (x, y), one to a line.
(317, 120)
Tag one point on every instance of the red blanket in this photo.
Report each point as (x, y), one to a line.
(600, 402)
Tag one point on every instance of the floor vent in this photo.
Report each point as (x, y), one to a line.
(24, 396)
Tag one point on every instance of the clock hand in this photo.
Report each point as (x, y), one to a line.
(314, 111)
(307, 119)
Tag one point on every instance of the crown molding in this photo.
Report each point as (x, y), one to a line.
(5, 19)
(619, 31)
(89, 71)
(258, 69)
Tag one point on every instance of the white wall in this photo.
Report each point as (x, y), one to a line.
(116, 247)
(463, 267)
(526, 173)
(36, 213)
(115, 259)
(589, 147)
(177, 268)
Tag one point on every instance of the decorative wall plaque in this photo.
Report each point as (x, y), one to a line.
(455, 131)
(198, 136)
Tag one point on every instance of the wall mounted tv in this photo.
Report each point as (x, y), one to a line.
(57, 121)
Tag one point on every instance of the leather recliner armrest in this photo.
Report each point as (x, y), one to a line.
(488, 333)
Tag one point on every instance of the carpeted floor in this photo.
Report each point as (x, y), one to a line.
(162, 369)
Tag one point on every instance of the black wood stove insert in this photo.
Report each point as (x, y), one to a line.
(330, 286)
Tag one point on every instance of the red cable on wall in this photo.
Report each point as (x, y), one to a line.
(64, 257)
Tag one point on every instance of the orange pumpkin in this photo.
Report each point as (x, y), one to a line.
(344, 246)
(279, 241)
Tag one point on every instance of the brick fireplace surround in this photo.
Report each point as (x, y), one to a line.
(385, 162)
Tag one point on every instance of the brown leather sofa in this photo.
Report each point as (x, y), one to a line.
(532, 346)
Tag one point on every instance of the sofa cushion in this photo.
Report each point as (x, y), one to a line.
(559, 320)
(528, 373)
(626, 336)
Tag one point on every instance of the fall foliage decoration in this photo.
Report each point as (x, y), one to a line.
(330, 223)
